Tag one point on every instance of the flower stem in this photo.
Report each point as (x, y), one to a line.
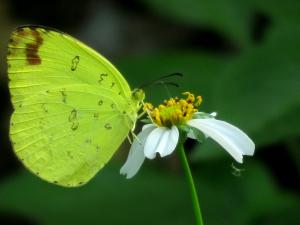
(192, 189)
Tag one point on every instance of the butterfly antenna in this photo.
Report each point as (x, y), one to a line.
(171, 75)
(166, 87)
(160, 80)
(168, 90)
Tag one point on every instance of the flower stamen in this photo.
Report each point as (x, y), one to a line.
(175, 111)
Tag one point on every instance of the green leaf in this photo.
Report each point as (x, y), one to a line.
(259, 91)
(242, 199)
(231, 18)
(107, 199)
(255, 91)
(152, 197)
(282, 12)
(262, 85)
(282, 128)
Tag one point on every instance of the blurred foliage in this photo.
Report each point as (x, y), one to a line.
(267, 76)
(232, 17)
(281, 12)
(152, 197)
(254, 85)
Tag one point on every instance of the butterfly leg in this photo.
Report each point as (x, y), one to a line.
(129, 139)
(142, 114)
(145, 111)
(134, 137)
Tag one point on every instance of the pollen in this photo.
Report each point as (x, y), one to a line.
(174, 111)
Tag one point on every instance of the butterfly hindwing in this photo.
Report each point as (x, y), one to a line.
(68, 106)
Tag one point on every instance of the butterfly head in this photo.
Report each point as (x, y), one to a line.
(138, 95)
(136, 103)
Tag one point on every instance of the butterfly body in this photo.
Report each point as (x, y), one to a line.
(72, 107)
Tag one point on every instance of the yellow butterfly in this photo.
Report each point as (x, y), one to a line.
(72, 107)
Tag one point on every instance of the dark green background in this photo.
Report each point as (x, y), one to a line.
(243, 57)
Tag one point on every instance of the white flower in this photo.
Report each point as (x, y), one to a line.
(162, 135)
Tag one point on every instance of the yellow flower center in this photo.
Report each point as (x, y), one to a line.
(175, 111)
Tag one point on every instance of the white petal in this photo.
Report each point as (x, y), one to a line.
(153, 141)
(168, 142)
(136, 155)
(162, 140)
(232, 139)
(191, 135)
(148, 125)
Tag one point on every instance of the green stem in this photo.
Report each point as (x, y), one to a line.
(191, 184)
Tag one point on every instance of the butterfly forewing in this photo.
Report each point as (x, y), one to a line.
(70, 106)
(60, 59)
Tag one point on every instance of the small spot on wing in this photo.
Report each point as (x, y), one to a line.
(73, 120)
(108, 126)
(70, 155)
(88, 141)
(97, 148)
(74, 63)
(74, 125)
(64, 96)
(102, 76)
(73, 115)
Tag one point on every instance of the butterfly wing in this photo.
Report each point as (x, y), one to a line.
(70, 106)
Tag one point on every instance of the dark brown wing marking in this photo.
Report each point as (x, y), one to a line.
(32, 48)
